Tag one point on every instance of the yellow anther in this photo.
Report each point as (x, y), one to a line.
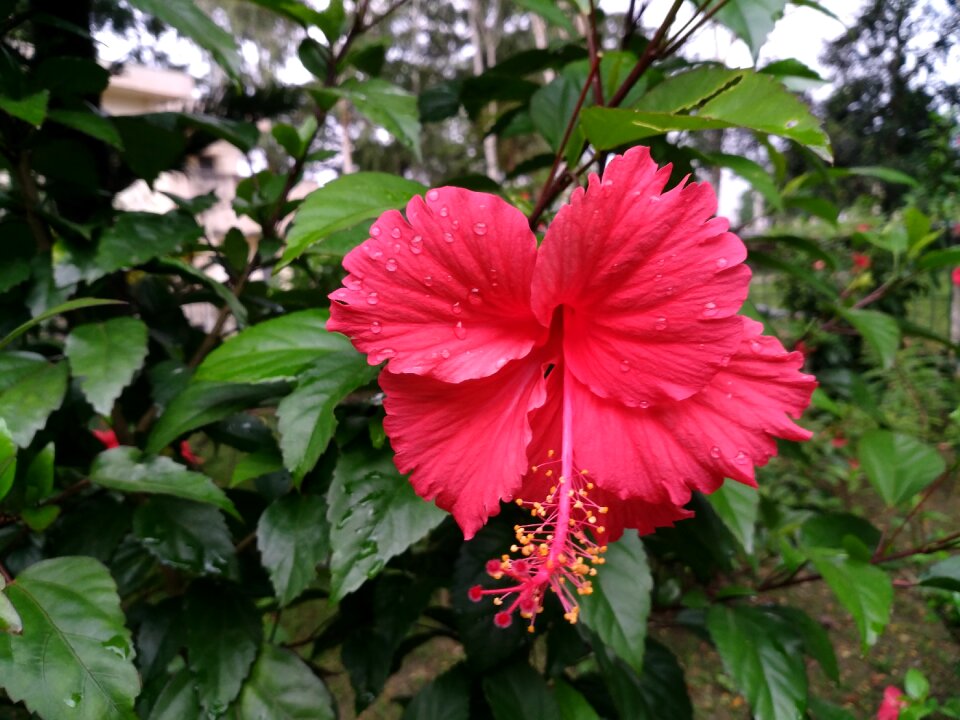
(551, 453)
(584, 472)
(578, 505)
(603, 510)
(583, 492)
(498, 601)
(530, 629)
(534, 468)
(562, 559)
(589, 486)
(549, 473)
(527, 550)
(519, 501)
(601, 529)
(514, 548)
(592, 519)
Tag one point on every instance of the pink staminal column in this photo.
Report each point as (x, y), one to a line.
(559, 549)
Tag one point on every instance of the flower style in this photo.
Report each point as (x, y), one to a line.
(597, 380)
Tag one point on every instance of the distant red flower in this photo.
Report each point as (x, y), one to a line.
(863, 227)
(186, 452)
(839, 442)
(818, 265)
(892, 704)
(108, 437)
(602, 377)
(955, 276)
(861, 261)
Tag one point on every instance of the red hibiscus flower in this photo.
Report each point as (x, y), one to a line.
(955, 276)
(860, 261)
(892, 704)
(601, 377)
(107, 437)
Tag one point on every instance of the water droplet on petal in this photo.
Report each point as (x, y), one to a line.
(480, 228)
(428, 280)
(741, 458)
(644, 404)
(375, 231)
(416, 245)
(444, 353)
(756, 346)
(624, 366)
(474, 296)
(460, 331)
(448, 237)
(384, 353)
(376, 254)
(455, 224)
(710, 309)
(501, 362)
(658, 276)
(444, 211)
(724, 361)
(715, 452)
(432, 195)
(457, 308)
(373, 299)
(392, 265)
(661, 323)
(375, 327)
(721, 263)
(395, 233)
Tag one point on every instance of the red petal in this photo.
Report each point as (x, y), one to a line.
(465, 443)
(649, 282)
(644, 517)
(107, 437)
(735, 419)
(444, 293)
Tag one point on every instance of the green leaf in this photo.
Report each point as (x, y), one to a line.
(773, 680)
(750, 171)
(256, 464)
(519, 691)
(916, 685)
(293, 538)
(864, 590)
(31, 109)
(68, 306)
(737, 505)
(89, 123)
(444, 698)
(944, 574)
(135, 238)
(185, 535)
(811, 635)
(344, 202)
(551, 108)
(751, 20)
(75, 656)
(187, 270)
(28, 397)
(202, 403)
(10, 621)
(730, 98)
(886, 174)
(282, 687)
(295, 10)
(831, 530)
(617, 609)
(279, 348)
(306, 418)
(899, 466)
(125, 469)
(573, 705)
(224, 632)
(186, 17)
(659, 693)
(178, 700)
(439, 102)
(937, 259)
(386, 105)
(8, 459)
(374, 514)
(548, 10)
(880, 331)
(105, 356)
(801, 273)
